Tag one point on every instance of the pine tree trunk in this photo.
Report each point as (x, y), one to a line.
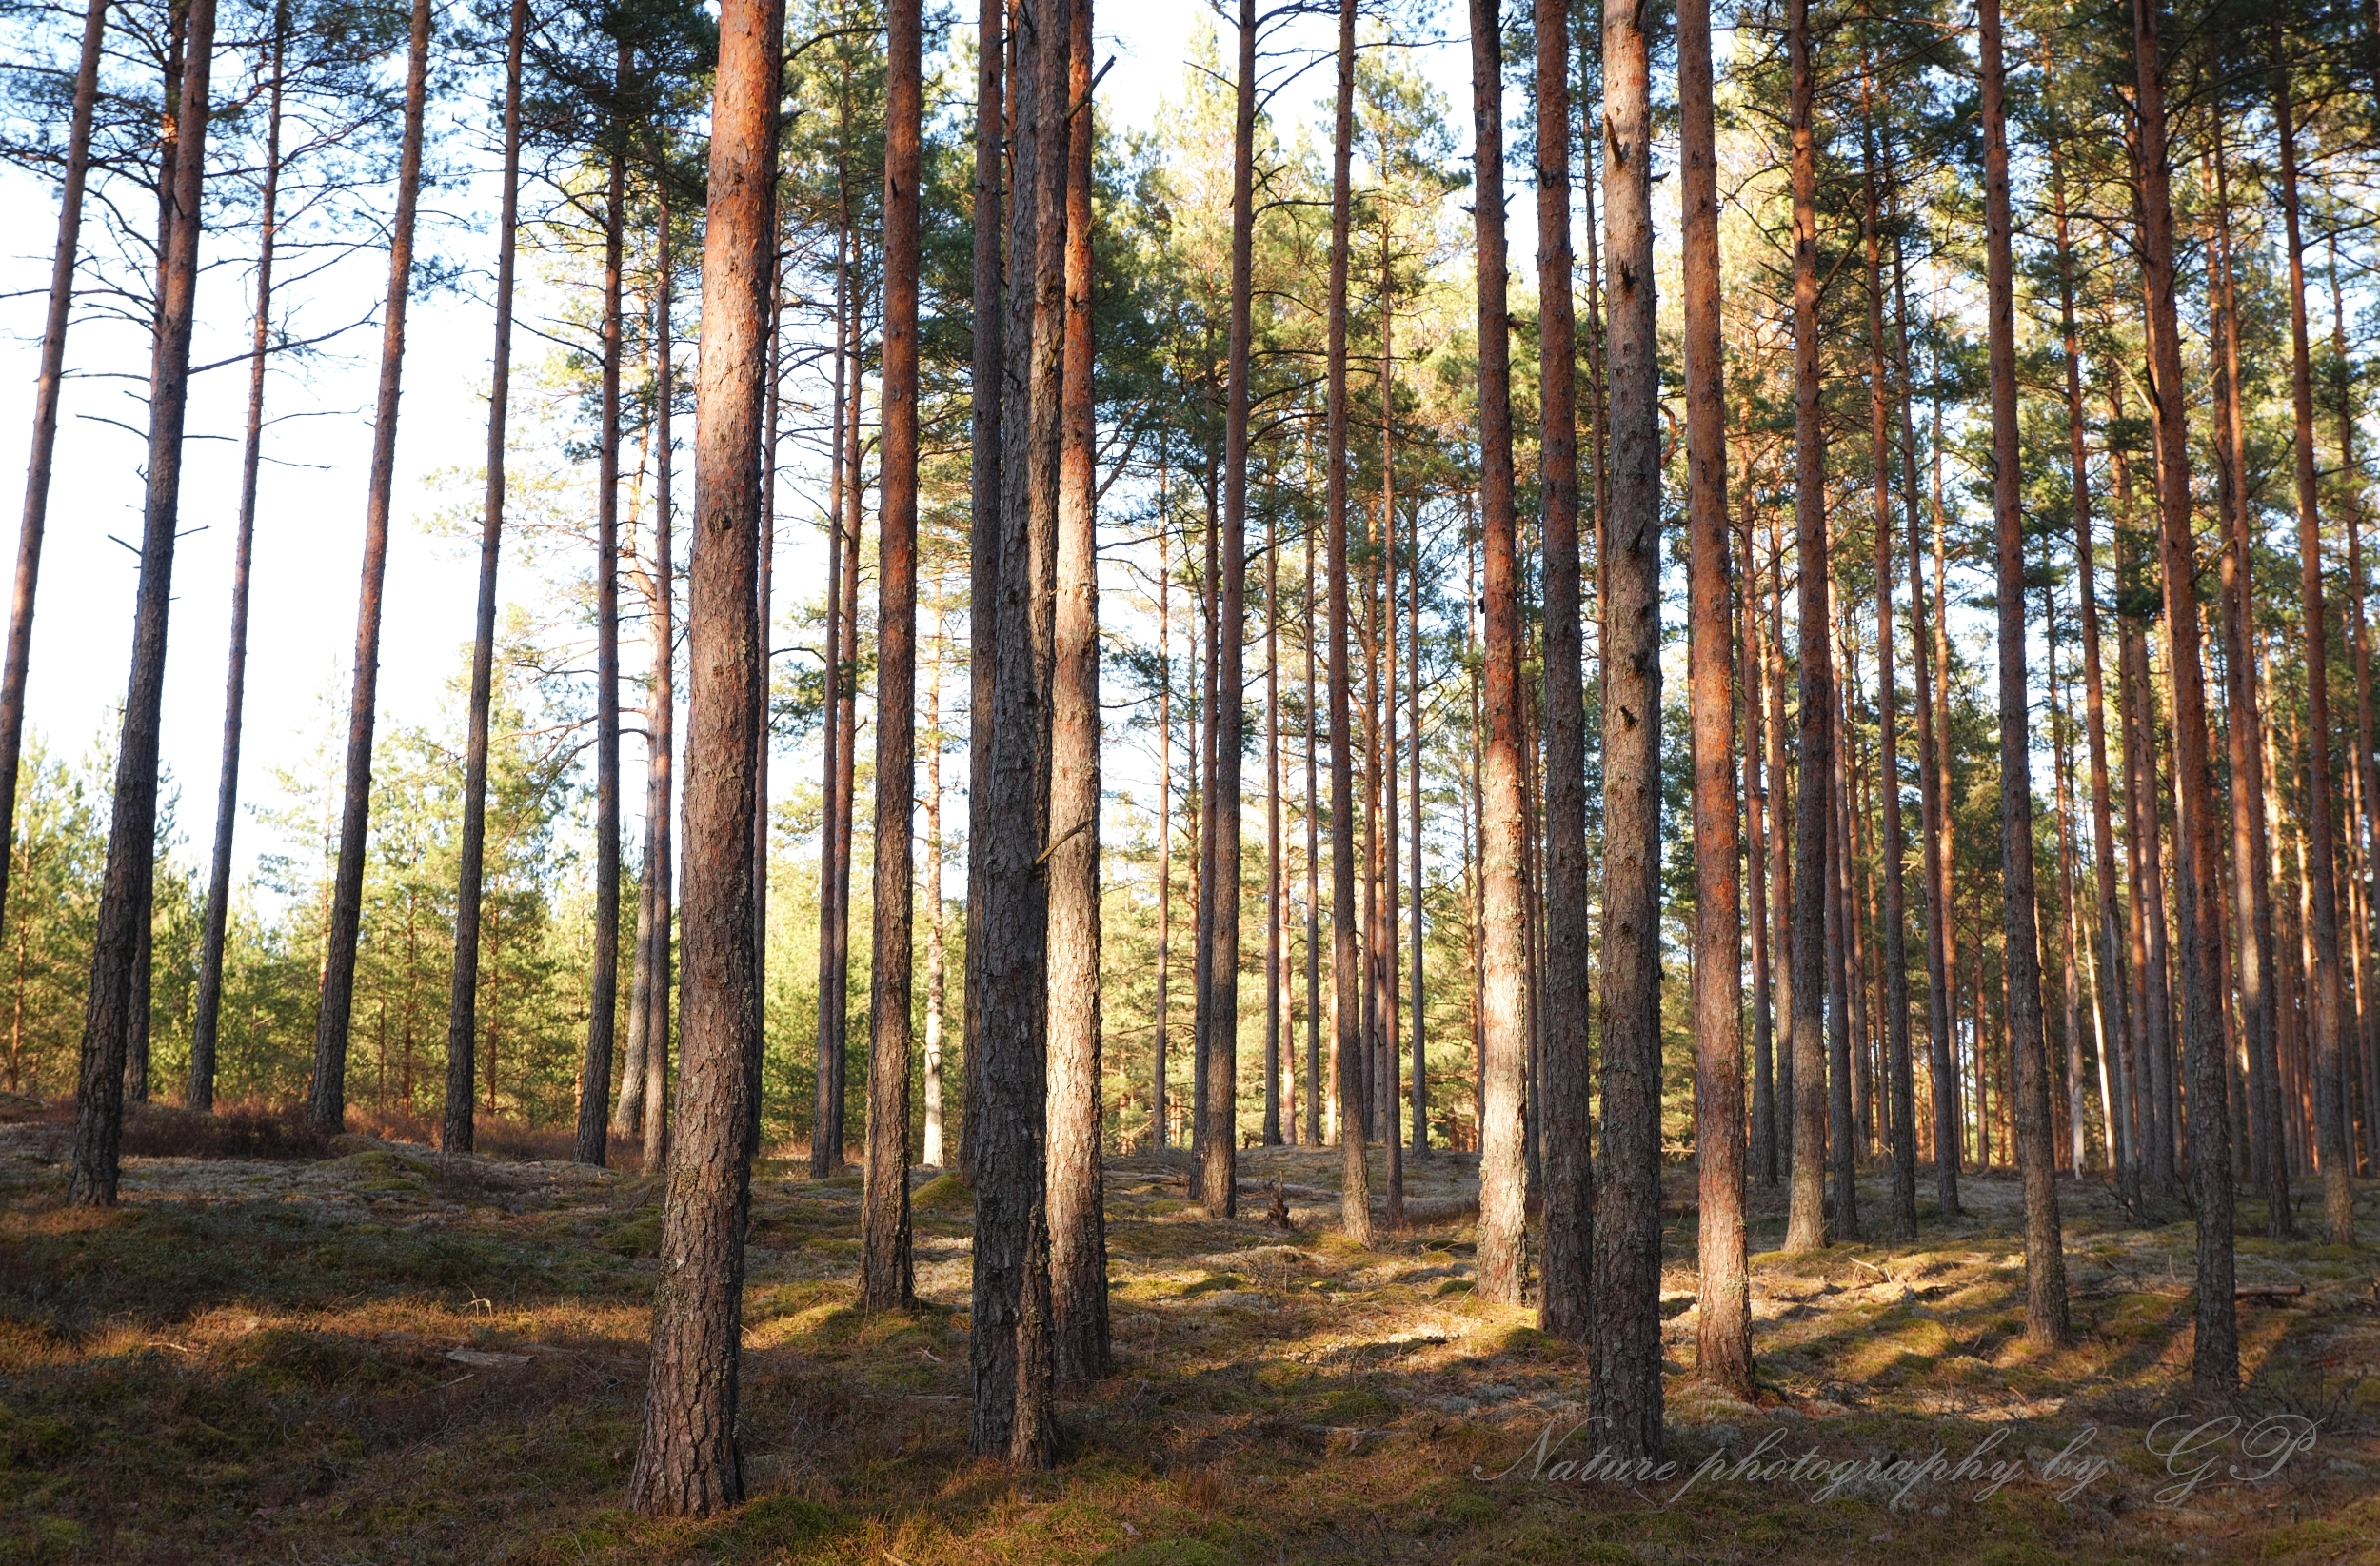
(1314, 859)
(1901, 1122)
(49, 381)
(603, 989)
(654, 1123)
(1387, 1062)
(1157, 1130)
(1077, 1191)
(687, 1463)
(983, 478)
(2115, 1059)
(930, 1152)
(2215, 1356)
(2036, 1155)
(2367, 773)
(886, 1278)
(1354, 1203)
(1504, 816)
(325, 1105)
(1806, 1222)
(822, 1159)
(1565, 1305)
(205, 1024)
(1220, 1043)
(2330, 1001)
(1011, 1351)
(1762, 1151)
(1723, 1331)
(1420, 1090)
(1626, 1342)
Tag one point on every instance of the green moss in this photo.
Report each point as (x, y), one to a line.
(942, 1194)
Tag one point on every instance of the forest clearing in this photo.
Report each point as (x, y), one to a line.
(396, 1356)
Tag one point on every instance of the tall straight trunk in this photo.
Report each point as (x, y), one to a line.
(886, 1276)
(1218, 1148)
(655, 1121)
(2037, 1155)
(2154, 942)
(603, 990)
(326, 1105)
(1271, 834)
(2329, 1002)
(1842, 1145)
(1078, 1256)
(983, 478)
(1385, 1082)
(1781, 862)
(930, 1151)
(1762, 1151)
(1806, 1222)
(1565, 1308)
(687, 1463)
(1011, 1352)
(1354, 1203)
(2115, 1014)
(1374, 1028)
(845, 796)
(1166, 806)
(2367, 767)
(1901, 1122)
(205, 1025)
(1626, 1344)
(2077, 1137)
(1314, 875)
(2214, 1354)
(1942, 839)
(2251, 910)
(1210, 702)
(48, 382)
(1420, 1088)
(823, 1150)
(1723, 1331)
(463, 993)
(1503, 817)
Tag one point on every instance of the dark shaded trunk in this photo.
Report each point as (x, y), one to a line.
(2367, 773)
(1626, 1344)
(987, 317)
(1806, 1223)
(823, 1150)
(1565, 1306)
(206, 1024)
(886, 1278)
(48, 382)
(2215, 1356)
(325, 1104)
(687, 1463)
(1157, 1107)
(654, 1121)
(2036, 1153)
(1354, 1203)
(1723, 1331)
(1314, 857)
(1078, 1228)
(1763, 1164)
(604, 988)
(1504, 816)
(1011, 1351)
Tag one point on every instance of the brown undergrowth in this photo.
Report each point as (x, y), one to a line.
(386, 1355)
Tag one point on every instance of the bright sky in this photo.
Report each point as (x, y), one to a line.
(311, 509)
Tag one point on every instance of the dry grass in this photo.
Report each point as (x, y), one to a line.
(252, 1360)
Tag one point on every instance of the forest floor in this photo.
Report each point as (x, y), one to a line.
(392, 1356)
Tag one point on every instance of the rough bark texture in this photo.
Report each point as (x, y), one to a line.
(1503, 819)
(1806, 1184)
(209, 1011)
(687, 1463)
(1900, 1122)
(1078, 1229)
(1723, 1331)
(602, 1009)
(2330, 1001)
(1565, 1307)
(49, 381)
(2214, 1354)
(325, 1100)
(1626, 1345)
(988, 319)
(1218, 1050)
(886, 1280)
(1011, 1350)
(1354, 1203)
(2036, 1153)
